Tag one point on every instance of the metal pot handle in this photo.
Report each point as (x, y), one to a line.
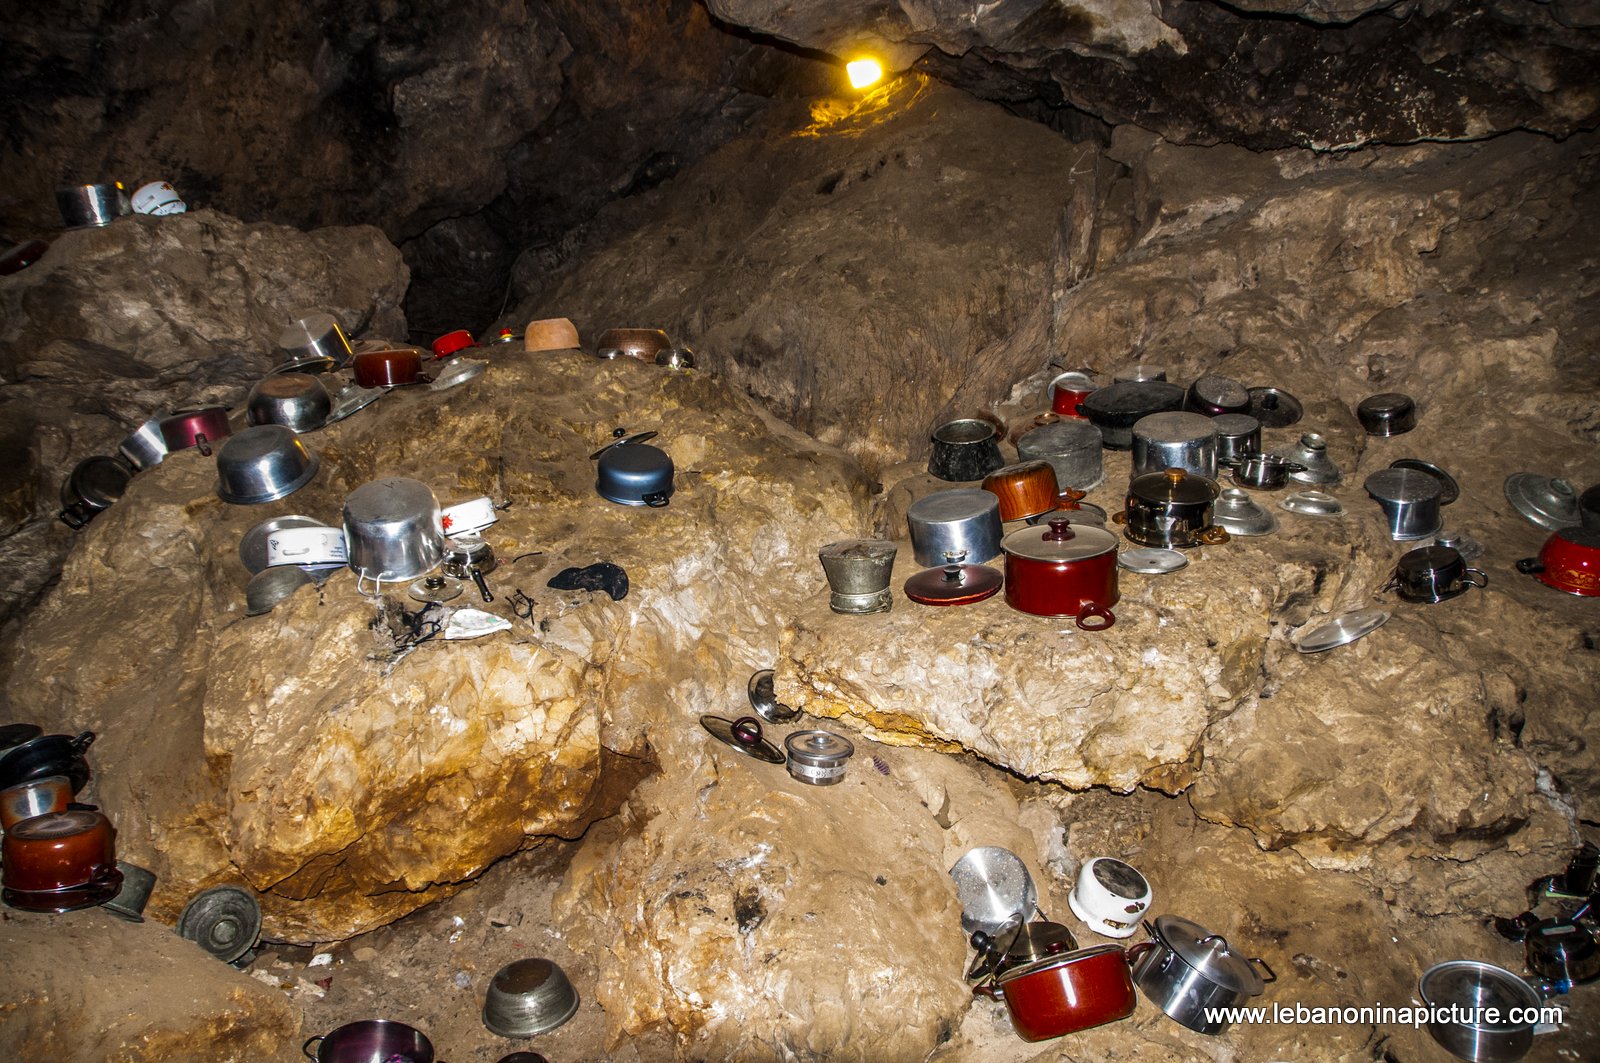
(1481, 581)
(1119, 517)
(1134, 954)
(656, 500)
(203, 443)
(1271, 977)
(81, 744)
(1215, 535)
(989, 990)
(1088, 610)
(75, 516)
(1530, 566)
(483, 588)
(306, 1048)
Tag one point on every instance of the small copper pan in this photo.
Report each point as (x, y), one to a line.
(1029, 489)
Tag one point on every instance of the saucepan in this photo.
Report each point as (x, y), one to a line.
(393, 529)
(1194, 975)
(388, 368)
(1459, 991)
(371, 1041)
(1171, 509)
(92, 486)
(47, 755)
(1063, 570)
(1569, 561)
(199, 427)
(91, 206)
(60, 862)
(295, 400)
(1028, 489)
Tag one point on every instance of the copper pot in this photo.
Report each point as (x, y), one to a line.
(388, 368)
(60, 861)
(1029, 489)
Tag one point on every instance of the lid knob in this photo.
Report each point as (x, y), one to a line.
(1060, 531)
(1561, 489)
(1313, 441)
(746, 730)
(1175, 476)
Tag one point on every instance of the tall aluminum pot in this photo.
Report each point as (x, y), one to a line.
(394, 529)
(1188, 972)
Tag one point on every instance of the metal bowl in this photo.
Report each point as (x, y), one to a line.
(993, 884)
(264, 463)
(273, 585)
(91, 206)
(641, 343)
(528, 997)
(297, 400)
(394, 529)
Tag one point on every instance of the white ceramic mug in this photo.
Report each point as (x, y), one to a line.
(307, 548)
(467, 517)
(1110, 897)
(158, 197)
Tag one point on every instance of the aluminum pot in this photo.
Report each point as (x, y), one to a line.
(1387, 414)
(1028, 489)
(371, 1041)
(295, 400)
(1264, 472)
(963, 521)
(389, 368)
(1569, 561)
(1466, 986)
(91, 206)
(1214, 396)
(1238, 434)
(315, 338)
(1065, 994)
(1063, 570)
(1072, 447)
(1410, 502)
(92, 486)
(145, 448)
(965, 450)
(1187, 971)
(264, 463)
(394, 530)
(1171, 509)
(52, 793)
(1175, 440)
(199, 427)
(47, 755)
(60, 862)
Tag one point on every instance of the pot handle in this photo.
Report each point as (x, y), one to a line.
(1270, 977)
(1070, 497)
(1090, 610)
(81, 744)
(1528, 565)
(203, 443)
(1481, 581)
(75, 516)
(656, 500)
(483, 588)
(1215, 535)
(1119, 517)
(306, 1048)
(988, 989)
(1132, 955)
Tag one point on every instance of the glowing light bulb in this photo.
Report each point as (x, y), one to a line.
(863, 73)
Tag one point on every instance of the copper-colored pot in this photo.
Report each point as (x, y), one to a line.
(1063, 571)
(1067, 993)
(641, 343)
(51, 860)
(387, 368)
(1029, 489)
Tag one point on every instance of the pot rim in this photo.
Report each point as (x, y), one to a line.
(1062, 959)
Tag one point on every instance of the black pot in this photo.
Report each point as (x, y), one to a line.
(1115, 409)
(965, 450)
(47, 755)
(1387, 414)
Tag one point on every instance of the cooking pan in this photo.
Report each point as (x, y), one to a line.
(47, 755)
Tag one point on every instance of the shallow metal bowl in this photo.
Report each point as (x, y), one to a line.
(263, 463)
(297, 400)
(528, 997)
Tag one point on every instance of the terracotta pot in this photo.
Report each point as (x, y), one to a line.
(58, 852)
(1064, 994)
(387, 368)
(550, 334)
(196, 428)
(1569, 561)
(1029, 489)
(1064, 570)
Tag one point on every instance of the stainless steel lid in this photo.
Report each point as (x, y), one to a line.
(1061, 540)
(1152, 560)
(1209, 955)
(1313, 504)
(1549, 502)
(1471, 985)
(1312, 452)
(1403, 486)
(1341, 630)
(1275, 407)
(1242, 515)
(1449, 490)
(1175, 427)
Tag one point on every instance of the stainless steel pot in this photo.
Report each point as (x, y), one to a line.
(1468, 986)
(818, 757)
(146, 447)
(394, 529)
(1410, 502)
(315, 338)
(262, 464)
(92, 486)
(1172, 508)
(295, 400)
(1187, 971)
(1264, 472)
(1238, 434)
(963, 521)
(91, 206)
(1174, 440)
(1074, 449)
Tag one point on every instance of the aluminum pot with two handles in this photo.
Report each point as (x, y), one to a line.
(1190, 973)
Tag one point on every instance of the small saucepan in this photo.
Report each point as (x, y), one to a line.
(1264, 472)
(1029, 489)
(632, 473)
(60, 862)
(1065, 993)
(371, 1041)
(1434, 574)
(198, 427)
(469, 557)
(391, 367)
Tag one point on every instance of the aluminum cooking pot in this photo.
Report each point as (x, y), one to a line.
(91, 206)
(1467, 986)
(93, 485)
(965, 521)
(1171, 509)
(1067, 993)
(262, 464)
(1187, 972)
(198, 427)
(295, 400)
(145, 448)
(1072, 447)
(47, 755)
(1569, 561)
(1410, 502)
(315, 338)
(371, 1041)
(1063, 570)
(394, 530)
(632, 473)
(1175, 440)
(965, 450)
(1238, 434)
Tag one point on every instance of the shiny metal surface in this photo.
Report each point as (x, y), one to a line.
(263, 463)
(93, 206)
(1175, 440)
(964, 521)
(394, 529)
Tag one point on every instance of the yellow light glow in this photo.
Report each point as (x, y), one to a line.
(863, 73)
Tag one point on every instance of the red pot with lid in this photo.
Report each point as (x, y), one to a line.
(1569, 561)
(199, 427)
(60, 861)
(1066, 993)
(1064, 570)
(387, 368)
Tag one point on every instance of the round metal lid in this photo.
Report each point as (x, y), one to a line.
(351, 400)
(1427, 558)
(1221, 391)
(1235, 425)
(100, 480)
(1341, 630)
(1061, 540)
(1403, 485)
(953, 585)
(457, 372)
(958, 504)
(1547, 501)
(435, 589)
(1128, 400)
(1174, 485)
(1469, 984)
(1209, 955)
(1449, 490)
(764, 699)
(747, 739)
(225, 921)
(1152, 560)
(1275, 408)
(1242, 515)
(1313, 504)
(1174, 427)
(819, 749)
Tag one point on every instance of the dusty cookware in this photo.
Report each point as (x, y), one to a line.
(1461, 992)
(858, 572)
(1171, 508)
(1110, 896)
(91, 206)
(550, 334)
(47, 755)
(1562, 951)
(965, 450)
(1569, 561)
(315, 338)
(528, 997)
(469, 557)
(1387, 414)
(91, 487)
(1068, 391)
(1065, 993)
(953, 583)
(253, 545)
(394, 530)
(51, 793)
(434, 589)
(743, 735)
(133, 894)
(1215, 396)
(1073, 448)
(1238, 434)
(1549, 502)
(371, 1041)
(1151, 560)
(965, 521)
(391, 367)
(1175, 440)
(1264, 472)
(641, 343)
(1311, 453)
(1063, 571)
(268, 588)
(1341, 630)
(198, 427)
(1190, 973)
(994, 887)
(633, 473)
(1433, 574)
(1459, 541)
(818, 758)
(264, 463)
(145, 448)
(60, 862)
(1139, 373)
(223, 920)
(1028, 489)
(1116, 409)
(295, 400)
(1410, 502)
(19, 257)
(1240, 514)
(1274, 407)
(452, 343)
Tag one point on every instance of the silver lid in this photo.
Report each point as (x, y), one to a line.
(819, 749)
(1061, 540)
(1240, 514)
(1403, 485)
(1549, 502)
(1174, 427)
(1341, 630)
(1209, 955)
(962, 503)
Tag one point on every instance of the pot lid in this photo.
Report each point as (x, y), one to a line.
(1235, 425)
(993, 949)
(1547, 501)
(350, 400)
(959, 504)
(764, 699)
(1313, 504)
(435, 589)
(744, 735)
(1312, 452)
(1050, 963)
(1221, 392)
(457, 372)
(1242, 515)
(1406, 486)
(1427, 559)
(1060, 540)
(953, 584)
(1124, 402)
(622, 439)
(1274, 407)
(1449, 490)
(1469, 984)
(1173, 485)
(1152, 560)
(1469, 548)
(1209, 955)
(1174, 427)
(1341, 630)
(467, 550)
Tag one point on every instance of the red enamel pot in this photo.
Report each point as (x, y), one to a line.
(60, 861)
(196, 428)
(1568, 561)
(452, 342)
(387, 368)
(1068, 391)
(1065, 570)
(1066, 993)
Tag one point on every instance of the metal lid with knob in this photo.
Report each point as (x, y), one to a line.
(1312, 452)
(1209, 955)
(1174, 485)
(1062, 540)
(744, 735)
(818, 757)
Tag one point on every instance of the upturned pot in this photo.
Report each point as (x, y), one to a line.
(1029, 489)
(965, 450)
(1569, 561)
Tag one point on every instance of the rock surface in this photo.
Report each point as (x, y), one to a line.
(91, 345)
